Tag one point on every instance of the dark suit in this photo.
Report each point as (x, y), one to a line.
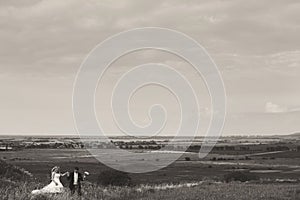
(73, 187)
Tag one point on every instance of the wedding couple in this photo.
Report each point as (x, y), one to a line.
(56, 186)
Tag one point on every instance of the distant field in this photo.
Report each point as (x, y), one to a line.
(283, 165)
(40, 161)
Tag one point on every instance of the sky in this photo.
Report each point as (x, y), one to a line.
(255, 45)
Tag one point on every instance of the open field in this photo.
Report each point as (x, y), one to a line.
(205, 191)
(40, 161)
(273, 166)
(189, 177)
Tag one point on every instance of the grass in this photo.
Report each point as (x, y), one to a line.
(205, 191)
(228, 192)
(40, 161)
(15, 184)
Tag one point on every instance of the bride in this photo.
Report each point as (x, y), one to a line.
(55, 186)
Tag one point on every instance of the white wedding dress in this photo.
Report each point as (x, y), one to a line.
(54, 187)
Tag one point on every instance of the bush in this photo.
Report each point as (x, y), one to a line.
(187, 159)
(12, 172)
(114, 178)
(240, 176)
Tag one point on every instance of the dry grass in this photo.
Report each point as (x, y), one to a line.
(16, 185)
(205, 191)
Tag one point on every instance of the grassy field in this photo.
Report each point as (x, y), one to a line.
(13, 185)
(40, 161)
(205, 191)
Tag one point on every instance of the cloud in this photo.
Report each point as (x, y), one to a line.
(290, 59)
(271, 107)
(274, 108)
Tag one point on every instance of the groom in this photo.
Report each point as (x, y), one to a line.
(75, 179)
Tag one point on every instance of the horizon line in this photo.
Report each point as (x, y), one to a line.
(74, 134)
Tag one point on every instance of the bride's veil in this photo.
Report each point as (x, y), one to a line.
(52, 171)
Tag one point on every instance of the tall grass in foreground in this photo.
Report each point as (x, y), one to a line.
(205, 191)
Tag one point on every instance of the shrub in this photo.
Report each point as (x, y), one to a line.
(12, 172)
(240, 176)
(187, 159)
(114, 178)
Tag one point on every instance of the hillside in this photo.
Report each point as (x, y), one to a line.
(220, 191)
(17, 184)
(13, 173)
